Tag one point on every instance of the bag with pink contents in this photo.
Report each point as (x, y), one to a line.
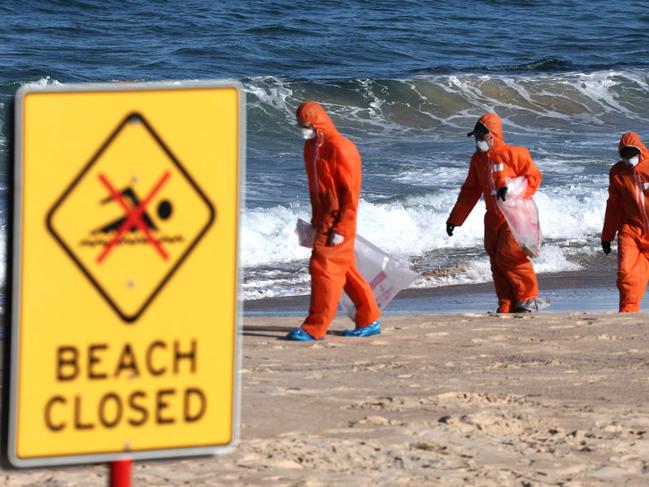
(522, 216)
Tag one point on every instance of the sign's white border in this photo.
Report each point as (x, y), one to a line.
(16, 274)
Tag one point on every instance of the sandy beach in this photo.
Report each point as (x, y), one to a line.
(455, 399)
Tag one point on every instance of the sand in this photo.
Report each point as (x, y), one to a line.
(464, 399)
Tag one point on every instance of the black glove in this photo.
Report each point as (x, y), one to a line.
(502, 193)
(449, 229)
(606, 247)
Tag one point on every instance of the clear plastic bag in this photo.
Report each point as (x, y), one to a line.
(385, 274)
(305, 233)
(522, 216)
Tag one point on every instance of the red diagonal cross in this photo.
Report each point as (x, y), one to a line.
(133, 217)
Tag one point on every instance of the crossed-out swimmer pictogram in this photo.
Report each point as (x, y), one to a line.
(133, 217)
(123, 199)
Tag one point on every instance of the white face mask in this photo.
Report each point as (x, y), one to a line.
(632, 161)
(308, 133)
(482, 145)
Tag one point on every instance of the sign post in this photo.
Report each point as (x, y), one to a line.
(121, 473)
(125, 273)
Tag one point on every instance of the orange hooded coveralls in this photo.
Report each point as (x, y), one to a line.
(627, 214)
(333, 167)
(512, 271)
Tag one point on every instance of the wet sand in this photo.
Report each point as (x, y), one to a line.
(592, 290)
(455, 399)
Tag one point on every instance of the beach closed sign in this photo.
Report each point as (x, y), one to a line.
(125, 276)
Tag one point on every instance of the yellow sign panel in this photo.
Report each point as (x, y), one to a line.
(125, 273)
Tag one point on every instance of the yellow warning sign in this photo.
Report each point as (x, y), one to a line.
(124, 298)
(144, 224)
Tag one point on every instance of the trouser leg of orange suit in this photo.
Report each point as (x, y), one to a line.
(360, 292)
(504, 290)
(632, 274)
(512, 271)
(515, 266)
(328, 268)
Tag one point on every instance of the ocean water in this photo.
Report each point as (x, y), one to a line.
(404, 81)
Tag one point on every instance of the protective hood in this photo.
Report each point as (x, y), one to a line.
(312, 113)
(631, 139)
(494, 124)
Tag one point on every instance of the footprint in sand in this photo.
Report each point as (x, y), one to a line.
(372, 421)
(437, 334)
(493, 338)
(612, 338)
(427, 324)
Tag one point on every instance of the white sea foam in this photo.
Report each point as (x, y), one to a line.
(272, 93)
(45, 81)
(468, 272)
(541, 103)
(268, 236)
(273, 287)
(471, 271)
(417, 224)
(572, 212)
(415, 229)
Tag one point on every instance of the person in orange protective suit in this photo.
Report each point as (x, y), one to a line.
(493, 161)
(627, 214)
(333, 167)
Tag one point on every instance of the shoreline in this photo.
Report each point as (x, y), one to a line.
(573, 291)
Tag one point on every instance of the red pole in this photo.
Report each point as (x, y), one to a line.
(121, 473)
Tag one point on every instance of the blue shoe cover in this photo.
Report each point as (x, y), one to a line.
(299, 335)
(373, 328)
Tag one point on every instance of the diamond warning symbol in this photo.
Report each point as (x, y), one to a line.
(131, 217)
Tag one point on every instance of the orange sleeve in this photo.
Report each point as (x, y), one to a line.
(532, 173)
(469, 195)
(348, 188)
(613, 211)
(524, 166)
